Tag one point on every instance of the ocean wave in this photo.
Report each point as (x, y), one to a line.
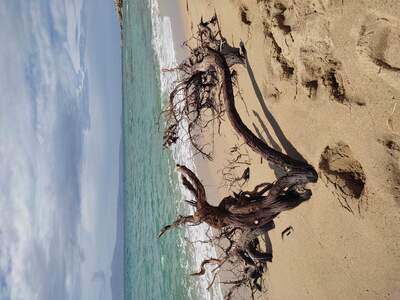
(163, 44)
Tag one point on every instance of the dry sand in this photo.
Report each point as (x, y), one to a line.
(323, 83)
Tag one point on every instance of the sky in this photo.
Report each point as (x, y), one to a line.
(60, 134)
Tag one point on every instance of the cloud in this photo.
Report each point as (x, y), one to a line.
(44, 120)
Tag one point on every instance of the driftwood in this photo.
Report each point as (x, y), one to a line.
(206, 85)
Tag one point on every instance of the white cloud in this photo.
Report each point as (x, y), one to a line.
(44, 118)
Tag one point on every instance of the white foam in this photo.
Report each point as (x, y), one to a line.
(163, 45)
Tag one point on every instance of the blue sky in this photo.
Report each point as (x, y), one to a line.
(60, 130)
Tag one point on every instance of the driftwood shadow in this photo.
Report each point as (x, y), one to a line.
(285, 143)
(278, 171)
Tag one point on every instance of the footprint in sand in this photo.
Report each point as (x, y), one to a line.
(344, 172)
(379, 42)
(392, 145)
(318, 65)
(393, 121)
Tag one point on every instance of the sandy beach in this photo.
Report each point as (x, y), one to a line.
(322, 84)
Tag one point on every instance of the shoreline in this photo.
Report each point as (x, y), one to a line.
(332, 251)
(150, 193)
(180, 155)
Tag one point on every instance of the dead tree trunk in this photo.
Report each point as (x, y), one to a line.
(240, 217)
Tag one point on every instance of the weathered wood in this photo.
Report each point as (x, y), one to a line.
(240, 217)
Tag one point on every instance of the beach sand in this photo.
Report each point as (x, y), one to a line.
(322, 83)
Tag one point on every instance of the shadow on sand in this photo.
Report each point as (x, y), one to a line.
(285, 143)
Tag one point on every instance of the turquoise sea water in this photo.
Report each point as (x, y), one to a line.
(154, 269)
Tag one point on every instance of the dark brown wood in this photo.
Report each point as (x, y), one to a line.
(241, 217)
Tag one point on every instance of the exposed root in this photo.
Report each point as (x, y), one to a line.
(207, 86)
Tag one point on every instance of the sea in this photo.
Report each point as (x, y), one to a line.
(153, 196)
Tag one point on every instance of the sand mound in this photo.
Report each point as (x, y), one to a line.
(393, 121)
(343, 170)
(392, 146)
(379, 45)
(380, 39)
